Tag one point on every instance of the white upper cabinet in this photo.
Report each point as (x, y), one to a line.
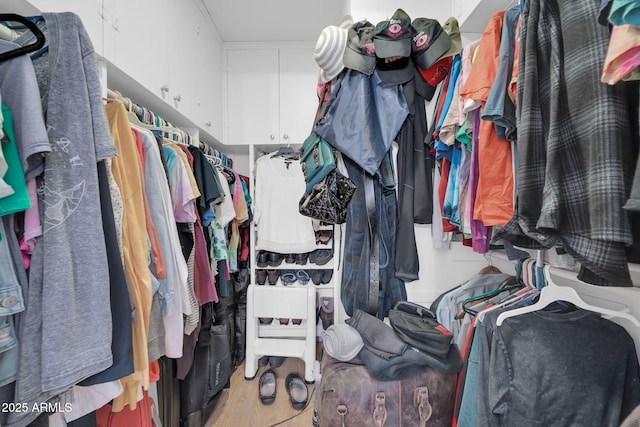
(298, 99)
(90, 12)
(194, 53)
(136, 40)
(252, 96)
(271, 95)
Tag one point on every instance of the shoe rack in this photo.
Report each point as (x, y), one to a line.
(283, 297)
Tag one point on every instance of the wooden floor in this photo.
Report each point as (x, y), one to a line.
(239, 406)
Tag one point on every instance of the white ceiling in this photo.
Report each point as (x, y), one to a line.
(274, 20)
(303, 20)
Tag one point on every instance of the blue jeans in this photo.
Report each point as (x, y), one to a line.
(357, 252)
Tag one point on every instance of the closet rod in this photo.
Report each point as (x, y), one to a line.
(126, 101)
(130, 106)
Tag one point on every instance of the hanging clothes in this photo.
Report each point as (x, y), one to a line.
(562, 385)
(174, 285)
(281, 228)
(572, 187)
(14, 196)
(62, 266)
(126, 172)
(356, 271)
(494, 198)
(407, 262)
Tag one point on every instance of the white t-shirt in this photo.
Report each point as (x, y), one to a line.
(280, 226)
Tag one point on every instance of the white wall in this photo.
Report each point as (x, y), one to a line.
(443, 269)
(378, 10)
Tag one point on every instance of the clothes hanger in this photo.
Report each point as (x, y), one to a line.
(170, 133)
(477, 306)
(40, 39)
(135, 120)
(285, 152)
(507, 285)
(519, 296)
(552, 293)
(530, 291)
(7, 33)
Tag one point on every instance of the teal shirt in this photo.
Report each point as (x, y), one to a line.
(14, 177)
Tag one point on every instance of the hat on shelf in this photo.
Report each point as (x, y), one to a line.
(329, 52)
(395, 71)
(429, 42)
(346, 22)
(393, 36)
(437, 72)
(360, 53)
(423, 89)
(342, 342)
(452, 28)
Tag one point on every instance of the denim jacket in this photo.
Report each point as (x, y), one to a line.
(11, 302)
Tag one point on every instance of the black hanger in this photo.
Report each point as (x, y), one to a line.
(285, 152)
(40, 40)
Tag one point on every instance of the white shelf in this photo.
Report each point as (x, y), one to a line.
(276, 330)
(279, 347)
(327, 291)
(473, 15)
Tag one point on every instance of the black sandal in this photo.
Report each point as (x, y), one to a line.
(267, 387)
(297, 390)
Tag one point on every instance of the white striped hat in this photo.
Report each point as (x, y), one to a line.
(329, 52)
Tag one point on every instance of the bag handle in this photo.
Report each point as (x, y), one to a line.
(421, 401)
(380, 409)
(342, 411)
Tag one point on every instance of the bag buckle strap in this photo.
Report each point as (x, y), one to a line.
(379, 409)
(421, 401)
(342, 411)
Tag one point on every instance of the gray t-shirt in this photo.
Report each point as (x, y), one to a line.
(66, 336)
(20, 92)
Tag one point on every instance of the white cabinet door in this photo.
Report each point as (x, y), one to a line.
(136, 39)
(183, 56)
(204, 75)
(252, 96)
(211, 97)
(298, 99)
(89, 11)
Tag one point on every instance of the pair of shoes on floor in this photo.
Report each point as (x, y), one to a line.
(320, 277)
(294, 384)
(274, 361)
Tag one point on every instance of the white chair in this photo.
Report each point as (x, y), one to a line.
(291, 302)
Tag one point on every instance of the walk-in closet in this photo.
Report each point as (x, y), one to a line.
(347, 213)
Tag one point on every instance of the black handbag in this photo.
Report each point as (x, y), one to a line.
(417, 326)
(328, 199)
